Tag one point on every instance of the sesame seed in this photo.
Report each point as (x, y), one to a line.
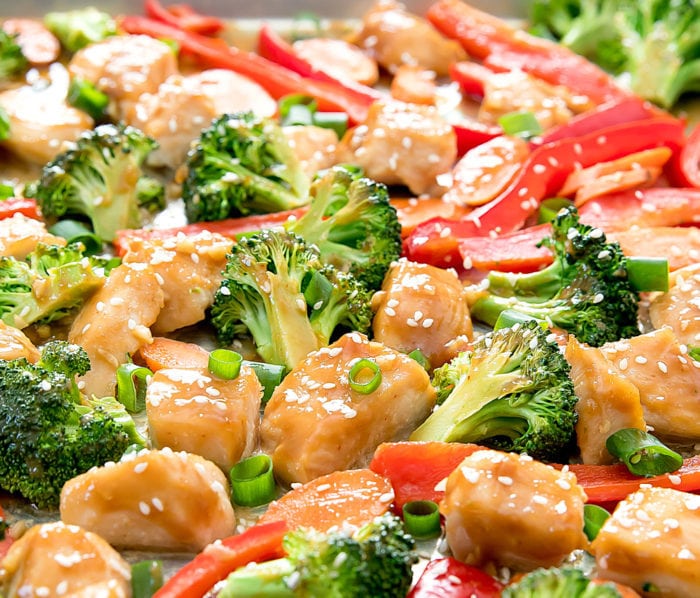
(140, 467)
(505, 480)
(663, 368)
(427, 323)
(144, 508)
(539, 168)
(390, 311)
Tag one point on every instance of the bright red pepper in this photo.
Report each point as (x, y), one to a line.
(449, 578)
(256, 544)
(471, 77)
(183, 17)
(472, 133)
(684, 167)
(19, 205)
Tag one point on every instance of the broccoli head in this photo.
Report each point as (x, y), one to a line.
(376, 560)
(49, 285)
(242, 164)
(100, 179)
(585, 291)
(564, 582)
(12, 59)
(353, 224)
(511, 392)
(78, 28)
(48, 435)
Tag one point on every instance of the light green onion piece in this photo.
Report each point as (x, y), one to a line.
(358, 379)
(225, 364)
(523, 124)
(132, 381)
(270, 375)
(338, 121)
(4, 124)
(648, 273)
(146, 578)
(549, 208)
(510, 317)
(694, 353)
(252, 481)
(6, 191)
(593, 519)
(643, 454)
(422, 518)
(318, 290)
(84, 96)
(288, 102)
(420, 357)
(75, 231)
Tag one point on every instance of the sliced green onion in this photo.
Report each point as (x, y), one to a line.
(523, 124)
(338, 121)
(173, 44)
(75, 231)
(253, 482)
(132, 381)
(84, 96)
(225, 364)
(694, 353)
(648, 273)
(593, 519)
(299, 114)
(4, 124)
(317, 291)
(643, 454)
(549, 208)
(358, 379)
(270, 376)
(146, 578)
(299, 109)
(420, 357)
(288, 102)
(511, 317)
(422, 518)
(6, 191)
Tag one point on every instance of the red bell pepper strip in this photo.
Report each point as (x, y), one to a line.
(183, 17)
(436, 241)
(449, 578)
(471, 77)
(277, 80)
(19, 205)
(684, 167)
(471, 133)
(505, 48)
(256, 544)
(6, 539)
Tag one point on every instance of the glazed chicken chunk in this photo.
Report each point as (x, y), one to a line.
(19, 236)
(14, 344)
(679, 308)
(315, 423)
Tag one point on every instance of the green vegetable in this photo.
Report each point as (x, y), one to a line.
(225, 364)
(522, 124)
(648, 273)
(132, 382)
(642, 453)
(253, 481)
(12, 59)
(357, 376)
(78, 28)
(564, 582)
(593, 519)
(84, 96)
(146, 578)
(74, 231)
(422, 518)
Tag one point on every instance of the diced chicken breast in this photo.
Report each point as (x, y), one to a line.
(422, 307)
(315, 147)
(192, 410)
(114, 323)
(55, 559)
(315, 423)
(402, 144)
(161, 500)
(668, 381)
(679, 308)
(124, 67)
(607, 401)
(189, 269)
(393, 36)
(14, 344)
(509, 510)
(19, 236)
(653, 539)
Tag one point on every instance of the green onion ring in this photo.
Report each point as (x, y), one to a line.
(225, 364)
(252, 481)
(146, 578)
(132, 380)
(594, 517)
(422, 518)
(372, 384)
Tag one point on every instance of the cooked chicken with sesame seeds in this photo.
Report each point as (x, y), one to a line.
(314, 146)
(156, 499)
(652, 540)
(509, 510)
(56, 559)
(315, 423)
(14, 344)
(679, 308)
(114, 323)
(422, 307)
(19, 236)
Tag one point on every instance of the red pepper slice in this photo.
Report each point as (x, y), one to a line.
(471, 133)
(449, 578)
(256, 544)
(684, 168)
(19, 205)
(183, 17)
(471, 77)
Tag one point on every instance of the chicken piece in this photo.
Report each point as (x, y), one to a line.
(193, 411)
(55, 559)
(394, 36)
(402, 144)
(509, 510)
(607, 401)
(315, 423)
(189, 269)
(175, 114)
(422, 307)
(653, 539)
(315, 147)
(679, 308)
(114, 323)
(414, 85)
(158, 499)
(19, 236)
(668, 381)
(338, 58)
(41, 121)
(14, 344)
(124, 67)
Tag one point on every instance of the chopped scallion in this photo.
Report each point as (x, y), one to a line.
(4, 124)
(6, 191)
(648, 273)
(359, 380)
(338, 121)
(225, 364)
(523, 124)
(317, 291)
(253, 481)
(75, 231)
(643, 454)
(132, 381)
(270, 376)
(420, 357)
(422, 518)
(84, 96)
(146, 578)
(593, 519)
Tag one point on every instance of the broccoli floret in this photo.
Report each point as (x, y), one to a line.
(49, 285)
(585, 291)
(276, 287)
(511, 392)
(48, 435)
(99, 178)
(78, 28)
(242, 164)
(374, 561)
(564, 582)
(353, 224)
(12, 59)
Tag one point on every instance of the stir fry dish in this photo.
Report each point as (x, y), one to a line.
(406, 305)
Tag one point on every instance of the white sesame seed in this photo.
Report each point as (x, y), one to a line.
(144, 508)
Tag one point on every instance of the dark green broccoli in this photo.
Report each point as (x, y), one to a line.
(49, 285)
(48, 434)
(511, 392)
(353, 224)
(375, 561)
(100, 178)
(564, 582)
(78, 28)
(12, 59)
(585, 291)
(242, 164)
(276, 287)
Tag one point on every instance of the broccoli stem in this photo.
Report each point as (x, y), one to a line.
(260, 580)
(535, 286)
